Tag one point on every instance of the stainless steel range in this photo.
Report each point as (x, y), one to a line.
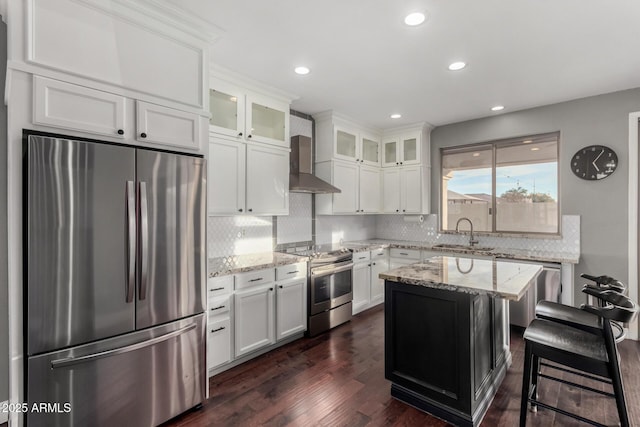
(330, 288)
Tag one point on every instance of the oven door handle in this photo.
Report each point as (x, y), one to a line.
(330, 269)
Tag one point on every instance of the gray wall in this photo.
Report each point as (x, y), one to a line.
(602, 205)
(4, 309)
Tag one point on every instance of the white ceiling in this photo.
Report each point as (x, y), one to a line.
(365, 63)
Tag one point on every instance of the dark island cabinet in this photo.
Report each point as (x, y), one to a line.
(446, 352)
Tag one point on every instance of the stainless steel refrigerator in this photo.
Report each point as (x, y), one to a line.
(114, 282)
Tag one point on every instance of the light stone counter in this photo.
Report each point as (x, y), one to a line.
(508, 280)
(250, 262)
(522, 254)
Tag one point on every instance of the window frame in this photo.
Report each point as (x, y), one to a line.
(495, 144)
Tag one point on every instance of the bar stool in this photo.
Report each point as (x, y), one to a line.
(578, 318)
(588, 354)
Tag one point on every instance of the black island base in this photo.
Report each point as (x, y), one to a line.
(446, 352)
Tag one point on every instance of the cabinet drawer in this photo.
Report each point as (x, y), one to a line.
(361, 256)
(218, 342)
(255, 278)
(292, 271)
(217, 286)
(405, 253)
(379, 253)
(219, 305)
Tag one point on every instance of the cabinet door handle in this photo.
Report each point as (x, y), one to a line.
(404, 210)
(368, 265)
(249, 136)
(217, 289)
(217, 330)
(271, 289)
(240, 210)
(220, 307)
(255, 280)
(397, 210)
(397, 163)
(404, 253)
(120, 132)
(400, 162)
(374, 263)
(143, 135)
(281, 286)
(250, 210)
(357, 160)
(239, 133)
(292, 272)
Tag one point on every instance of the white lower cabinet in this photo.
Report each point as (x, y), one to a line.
(291, 307)
(219, 324)
(379, 263)
(254, 318)
(361, 286)
(368, 288)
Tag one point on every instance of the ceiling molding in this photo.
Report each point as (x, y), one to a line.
(216, 71)
(140, 11)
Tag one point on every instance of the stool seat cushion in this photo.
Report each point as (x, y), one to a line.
(567, 314)
(566, 338)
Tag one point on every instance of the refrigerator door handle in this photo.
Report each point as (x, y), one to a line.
(70, 361)
(131, 240)
(144, 240)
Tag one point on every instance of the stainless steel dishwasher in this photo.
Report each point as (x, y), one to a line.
(548, 287)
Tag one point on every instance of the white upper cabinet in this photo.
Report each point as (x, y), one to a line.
(149, 50)
(359, 185)
(267, 181)
(247, 179)
(168, 126)
(226, 177)
(405, 190)
(248, 115)
(339, 138)
(67, 106)
(402, 150)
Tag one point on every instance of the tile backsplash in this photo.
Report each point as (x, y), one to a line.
(395, 227)
(238, 235)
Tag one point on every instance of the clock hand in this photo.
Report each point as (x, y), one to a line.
(595, 160)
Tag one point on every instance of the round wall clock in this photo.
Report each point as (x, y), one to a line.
(594, 162)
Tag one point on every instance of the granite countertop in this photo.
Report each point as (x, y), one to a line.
(517, 254)
(233, 264)
(504, 279)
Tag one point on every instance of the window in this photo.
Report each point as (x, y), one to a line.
(507, 186)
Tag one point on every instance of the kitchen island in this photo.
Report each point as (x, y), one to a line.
(446, 332)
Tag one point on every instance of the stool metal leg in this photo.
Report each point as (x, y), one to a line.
(535, 370)
(526, 382)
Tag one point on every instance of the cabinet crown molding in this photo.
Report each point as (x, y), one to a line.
(420, 126)
(160, 10)
(218, 72)
(344, 120)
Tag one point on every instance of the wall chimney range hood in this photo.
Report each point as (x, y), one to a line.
(301, 179)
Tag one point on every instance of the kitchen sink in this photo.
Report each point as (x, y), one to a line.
(453, 247)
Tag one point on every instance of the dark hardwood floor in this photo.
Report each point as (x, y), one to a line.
(337, 379)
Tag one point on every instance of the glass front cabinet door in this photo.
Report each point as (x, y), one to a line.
(346, 144)
(390, 155)
(370, 151)
(267, 120)
(226, 104)
(410, 150)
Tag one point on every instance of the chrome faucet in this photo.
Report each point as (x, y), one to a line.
(472, 241)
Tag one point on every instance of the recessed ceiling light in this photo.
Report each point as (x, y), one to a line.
(395, 116)
(476, 154)
(497, 108)
(414, 19)
(528, 141)
(301, 70)
(535, 148)
(457, 66)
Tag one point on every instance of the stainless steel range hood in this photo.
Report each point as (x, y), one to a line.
(301, 179)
